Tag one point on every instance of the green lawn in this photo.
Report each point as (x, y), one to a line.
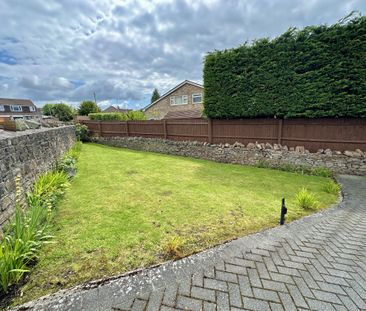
(123, 206)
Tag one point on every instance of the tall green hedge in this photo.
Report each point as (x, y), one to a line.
(319, 71)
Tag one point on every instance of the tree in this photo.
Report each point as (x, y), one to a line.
(155, 95)
(61, 111)
(87, 107)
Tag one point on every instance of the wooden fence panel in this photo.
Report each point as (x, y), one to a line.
(149, 129)
(245, 131)
(336, 134)
(195, 130)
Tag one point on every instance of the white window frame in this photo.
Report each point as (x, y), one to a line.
(32, 108)
(16, 108)
(2, 108)
(184, 100)
(196, 94)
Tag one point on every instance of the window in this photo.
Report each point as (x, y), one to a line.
(2, 108)
(16, 108)
(179, 100)
(197, 98)
(32, 108)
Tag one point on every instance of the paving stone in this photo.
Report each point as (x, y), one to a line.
(223, 301)
(255, 304)
(234, 295)
(318, 305)
(203, 293)
(187, 303)
(265, 294)
(215, 284)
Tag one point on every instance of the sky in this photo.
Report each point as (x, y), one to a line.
(67, 50)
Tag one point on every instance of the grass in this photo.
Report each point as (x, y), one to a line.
(125, 208)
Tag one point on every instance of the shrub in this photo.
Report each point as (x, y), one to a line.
(117, 116)
(136, 115)
(306, 199)
(82, 132)
(61, 111)
(331, 187)
(67, 163)
(314, 72)
(87, 107)
(173, 247)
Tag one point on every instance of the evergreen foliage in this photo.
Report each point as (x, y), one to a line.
(155, 95)
(319, 71)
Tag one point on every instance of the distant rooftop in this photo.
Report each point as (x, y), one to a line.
(16, 101)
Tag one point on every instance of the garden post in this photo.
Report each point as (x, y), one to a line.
(127, 129)
(209, 130)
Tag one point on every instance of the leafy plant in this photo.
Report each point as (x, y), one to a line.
(331, 187)
(87, 107)
(82, 132)
(173, 247)
(306, 199)
(51, 186)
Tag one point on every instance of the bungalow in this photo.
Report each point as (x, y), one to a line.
(185, 101)
(18, 109)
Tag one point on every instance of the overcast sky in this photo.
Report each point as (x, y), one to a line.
(65, 50)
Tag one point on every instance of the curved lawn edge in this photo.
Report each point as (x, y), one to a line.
(161, 274)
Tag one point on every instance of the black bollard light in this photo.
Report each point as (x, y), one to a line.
(283, 212)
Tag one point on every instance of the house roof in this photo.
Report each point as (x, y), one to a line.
(15, 101)
(184, 114)
(171, 91)
(116, 109)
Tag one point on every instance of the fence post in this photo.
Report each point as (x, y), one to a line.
(100, 128)
(127, 129)
(209, 130)
(165, 130)
(279, 136)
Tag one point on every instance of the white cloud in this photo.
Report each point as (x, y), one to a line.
(67, 50)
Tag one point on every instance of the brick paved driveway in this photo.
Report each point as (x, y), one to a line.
(318, 263)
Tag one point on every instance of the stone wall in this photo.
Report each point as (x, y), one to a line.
(28, 154)
(348, 162)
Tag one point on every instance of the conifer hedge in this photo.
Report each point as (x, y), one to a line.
(319, 71)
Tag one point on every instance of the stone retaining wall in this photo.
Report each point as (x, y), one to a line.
(348, 162)
(28, 154)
